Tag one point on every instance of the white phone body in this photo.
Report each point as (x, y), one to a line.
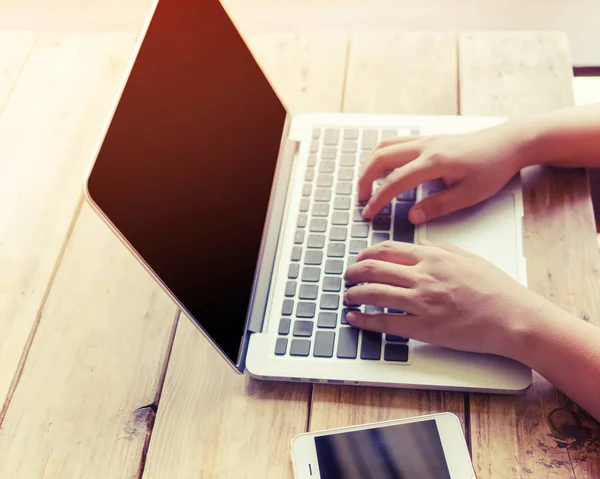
(306, 462)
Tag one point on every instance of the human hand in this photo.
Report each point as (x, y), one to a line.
(474, 166)
(452, 298)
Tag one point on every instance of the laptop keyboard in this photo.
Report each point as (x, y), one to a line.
(330, 232)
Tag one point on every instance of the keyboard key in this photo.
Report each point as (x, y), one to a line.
(410, 195)
(300, 347)
(343, 188)
(346, 174)
(316, 133)
(364, 156)
(312, 160)
(310, 174)
(386, 210)
(327, 319)
(329, 153)
(347, 343)
(360, 203)
(311, 275)
(323, 194)
(327, 166)
(351, 261)
(296, 253)
(324, 181)
(369, 139)
(336, 250)
(329, 301)
(382, 223)
(379, 237)
(318, 225)
(341, 203)
(347, 160)
(314, 146)
(415, 132)
(351, 134)
(332, 284)
(284, 326)
(293, 270)
(304, 204)
(349, 146)
(388, 134)
(288, 307)
(313, 257)
(320, 209)
(396, 352)
(356, 246)
(404, 230)
(332, 136)
(338, 233)
(303, 328)
(340, 218)
(302, 219)
(372, 309)
(281, 346)
(334, 266)
(306, 310)
(315, 241)
(299, 237)
(370, 348)
(345, 311)
(396, 339)
(306, 189)
(308, 291)
(324, 344)
(290, 289)
(357, 216)
(360, 231)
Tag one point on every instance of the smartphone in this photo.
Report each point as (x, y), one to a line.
(424, 447)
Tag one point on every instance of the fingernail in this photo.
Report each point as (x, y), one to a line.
(417, 215)
(366, 211)
(351, 317)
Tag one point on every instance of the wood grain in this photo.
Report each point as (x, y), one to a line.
(14, 51)
(48, 129)
(83, 405)
(212, 422)
(421, 64)
(539, 434)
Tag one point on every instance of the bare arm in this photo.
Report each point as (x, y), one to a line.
(569, 137)
(566, 351)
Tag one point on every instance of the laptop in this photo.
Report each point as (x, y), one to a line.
(248, 216)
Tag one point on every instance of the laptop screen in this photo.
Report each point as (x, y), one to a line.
(186, 168)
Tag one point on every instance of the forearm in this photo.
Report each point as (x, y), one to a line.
(566, 351)
(567, 138)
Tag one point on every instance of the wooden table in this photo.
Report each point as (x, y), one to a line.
(100, 377)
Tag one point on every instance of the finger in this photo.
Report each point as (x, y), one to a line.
(406, 325)
(375, 271)
(386, 158)
(455, 198)
(397, 252)
(382, 295)
(396, 140)
(404, 178)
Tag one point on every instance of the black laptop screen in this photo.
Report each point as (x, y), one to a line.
(186, 169)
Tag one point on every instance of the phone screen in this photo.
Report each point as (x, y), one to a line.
(401, 451)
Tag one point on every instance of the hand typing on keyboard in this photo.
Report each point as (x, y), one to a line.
(452, 298)
(475, 166)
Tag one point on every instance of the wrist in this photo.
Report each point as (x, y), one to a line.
(526, 140)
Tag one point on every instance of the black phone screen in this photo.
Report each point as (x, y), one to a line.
(401, 451)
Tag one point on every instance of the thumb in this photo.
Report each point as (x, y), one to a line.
(448, 201)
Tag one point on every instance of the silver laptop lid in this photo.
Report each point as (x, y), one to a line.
(186, 169)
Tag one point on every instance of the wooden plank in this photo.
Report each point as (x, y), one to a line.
(14, 51)
(81, 408)
(48, 130)
(212, 422)
(529, 435)
(378, 64)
